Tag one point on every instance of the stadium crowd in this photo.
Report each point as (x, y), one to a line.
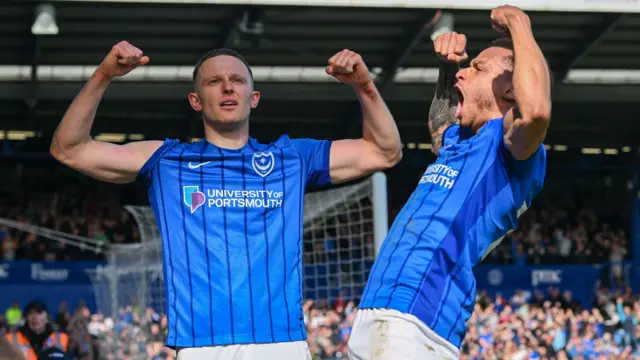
(569, 234)
(577, 219)
(563, 227)
(526, 326)
(77, 206)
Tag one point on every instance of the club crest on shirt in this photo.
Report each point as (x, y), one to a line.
(263, 163)
(193, 197)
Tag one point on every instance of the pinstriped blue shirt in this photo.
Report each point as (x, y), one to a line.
(231, 225)
(461, 209)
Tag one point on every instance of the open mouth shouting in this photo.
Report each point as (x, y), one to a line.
(460, 99)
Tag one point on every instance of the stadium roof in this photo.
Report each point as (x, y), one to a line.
(591, 108)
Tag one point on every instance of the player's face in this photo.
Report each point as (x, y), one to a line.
(224, 93)
(485, 87)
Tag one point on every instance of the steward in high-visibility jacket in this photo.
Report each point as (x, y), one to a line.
(37, 334)
(30, 349)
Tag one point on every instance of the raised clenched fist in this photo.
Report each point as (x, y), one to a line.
(121, 60)
(349, 68)
(451, 47)
(501, 16)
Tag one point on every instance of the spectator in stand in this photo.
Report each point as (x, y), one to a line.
(63, 317)
(569, 303)
(616, 258)
(37, 334)
(13, 315)
(81, 345)
(629, 323)
(4, 327)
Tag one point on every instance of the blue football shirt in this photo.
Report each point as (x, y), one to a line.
(463, 206)
(231, 225)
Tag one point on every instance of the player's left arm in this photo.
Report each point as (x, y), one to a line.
(380, 146)
(526, 124)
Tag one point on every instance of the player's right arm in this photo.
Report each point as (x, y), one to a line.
(450, 48)
(72, 144)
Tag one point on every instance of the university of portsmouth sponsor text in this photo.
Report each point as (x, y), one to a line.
(441, 175)
(244, 198)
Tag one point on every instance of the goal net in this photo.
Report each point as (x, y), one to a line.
(339, 239)
(343, 228)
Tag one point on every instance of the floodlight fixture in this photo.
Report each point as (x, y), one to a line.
(45, 21)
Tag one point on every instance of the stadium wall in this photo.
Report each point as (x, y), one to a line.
(23, 281)
(581, 280)
(68, 281)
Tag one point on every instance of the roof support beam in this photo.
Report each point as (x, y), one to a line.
(247, 25)
(31, 98)
(609, 21)
(33, 91)
(227, 36)
(414, 37)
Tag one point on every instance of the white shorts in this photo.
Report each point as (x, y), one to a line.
(295, 350)
(385, 334)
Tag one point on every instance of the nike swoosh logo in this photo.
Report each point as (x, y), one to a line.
(192, 166)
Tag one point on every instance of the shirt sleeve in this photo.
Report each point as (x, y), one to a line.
(527, 176)
(147, 168)
(315, 157)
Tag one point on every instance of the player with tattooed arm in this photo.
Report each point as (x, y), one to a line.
(487, 124)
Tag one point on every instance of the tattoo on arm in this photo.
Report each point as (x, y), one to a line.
(443, 107)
